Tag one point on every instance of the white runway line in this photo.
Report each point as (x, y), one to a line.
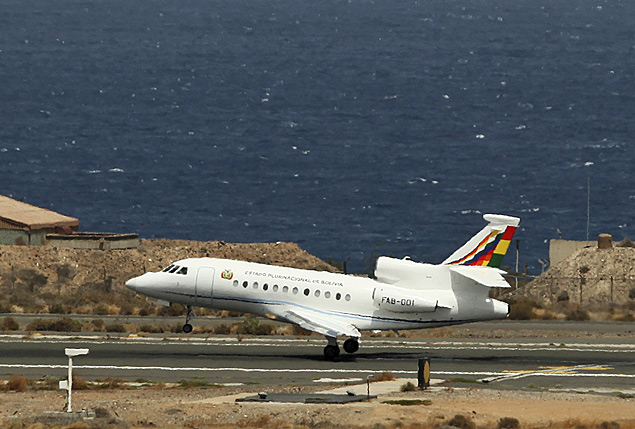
(495, 375)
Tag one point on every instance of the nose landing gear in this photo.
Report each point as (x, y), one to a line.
(187, 328)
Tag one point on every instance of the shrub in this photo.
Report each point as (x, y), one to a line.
(101, 309)
(64, 324)
(508, 423)
(9, 324)
(265, 329)
(17, 383)
(79, 383)
(115, 327)
(461, 422)
(57, 309)
(151, 329)
(126, 309)
(171, 311)
(522, 309)
(38, 325)
(98, 325)
(578, 314)
(146, 311)
(251, 326)
(222, 329)
(408, 387)
(631, 293)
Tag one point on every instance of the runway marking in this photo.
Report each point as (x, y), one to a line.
(558, 371)
(491, 376)
(310, 342)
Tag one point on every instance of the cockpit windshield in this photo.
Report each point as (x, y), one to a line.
(172, 269)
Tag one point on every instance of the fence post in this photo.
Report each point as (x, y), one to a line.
(582, 281)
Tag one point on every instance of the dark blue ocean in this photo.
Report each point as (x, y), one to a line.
(350, 127)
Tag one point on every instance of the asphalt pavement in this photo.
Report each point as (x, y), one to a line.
(598, 361)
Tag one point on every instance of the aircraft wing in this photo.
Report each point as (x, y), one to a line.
(487, 276)
(329, 327)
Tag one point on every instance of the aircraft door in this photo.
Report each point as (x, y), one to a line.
(205, 286)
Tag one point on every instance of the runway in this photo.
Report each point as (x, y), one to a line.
(570, 363)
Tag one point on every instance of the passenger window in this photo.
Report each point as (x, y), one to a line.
(295, 290)
(183, 271)
(307, 292)
(338, 296)
(255, 285)
(285, 289)
(327, 294)
(275, 288)
(235, 283)
(265, 286)
(245, 284)
(317, 292)
(347, 297)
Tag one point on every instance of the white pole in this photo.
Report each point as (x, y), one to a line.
(588, 206)
(70, 381)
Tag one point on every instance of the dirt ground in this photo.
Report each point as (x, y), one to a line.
(215, 408)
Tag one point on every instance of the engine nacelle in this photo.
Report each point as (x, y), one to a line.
(401, 300)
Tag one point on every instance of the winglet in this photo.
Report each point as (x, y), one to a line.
(489, 245)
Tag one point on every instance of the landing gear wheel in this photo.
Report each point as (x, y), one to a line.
(187, 328)
(351, 345)
(331, 352)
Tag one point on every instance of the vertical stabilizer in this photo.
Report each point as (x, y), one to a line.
(489, 245)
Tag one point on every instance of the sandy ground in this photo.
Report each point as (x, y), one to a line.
(216, 407)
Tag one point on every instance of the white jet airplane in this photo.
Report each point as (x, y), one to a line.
(404, 295)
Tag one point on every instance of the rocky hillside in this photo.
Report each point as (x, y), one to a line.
(47, 279)
(590, 277)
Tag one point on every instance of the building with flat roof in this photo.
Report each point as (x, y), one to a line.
(24, 224)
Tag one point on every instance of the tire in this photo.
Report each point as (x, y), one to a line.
(351, 345)
(331, 352)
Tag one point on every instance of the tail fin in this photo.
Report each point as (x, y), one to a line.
(488, 247)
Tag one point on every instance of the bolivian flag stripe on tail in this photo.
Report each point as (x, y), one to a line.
(491, 249)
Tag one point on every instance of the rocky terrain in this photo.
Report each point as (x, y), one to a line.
(438, 407)
(46, 279)
(590, 278)
(43, 279)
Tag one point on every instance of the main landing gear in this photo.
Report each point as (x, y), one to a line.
(332, 350)
(187, 328)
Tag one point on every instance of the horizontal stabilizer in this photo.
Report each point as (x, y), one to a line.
(328, 327)
(486, 276)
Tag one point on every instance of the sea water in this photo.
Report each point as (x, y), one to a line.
(355, 128)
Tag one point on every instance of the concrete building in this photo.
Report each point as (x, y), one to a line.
(24, 224)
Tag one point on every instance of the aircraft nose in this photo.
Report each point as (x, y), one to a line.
(132, 284)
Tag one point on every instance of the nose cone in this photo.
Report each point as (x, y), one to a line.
(132, 283)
